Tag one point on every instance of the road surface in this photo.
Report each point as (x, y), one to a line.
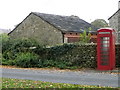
(58, 76)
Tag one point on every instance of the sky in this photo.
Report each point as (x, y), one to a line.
(12, 12)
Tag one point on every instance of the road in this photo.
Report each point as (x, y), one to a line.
(58, 76)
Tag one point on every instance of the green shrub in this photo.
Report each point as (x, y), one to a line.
(48, 63)
(4, 39)
(8, 62)
(58, 51)
(23, 45)
(12, 47)
(9, 55)
(27, 59)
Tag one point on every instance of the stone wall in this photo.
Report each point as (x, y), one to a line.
(36, 28)
(114, 23)
(119, 26)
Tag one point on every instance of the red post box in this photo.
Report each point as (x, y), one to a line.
(105, 49)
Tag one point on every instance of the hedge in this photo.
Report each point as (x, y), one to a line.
(75, 55)
(80, 55)
(71, 56)
(117, 55)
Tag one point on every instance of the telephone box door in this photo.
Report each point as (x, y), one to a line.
(104, 53)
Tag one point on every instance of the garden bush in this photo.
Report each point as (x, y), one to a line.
(27, 60)
(12, 47)
(55, 63)
(4, 38)
(8, 62)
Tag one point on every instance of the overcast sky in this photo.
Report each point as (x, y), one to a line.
(12, 12)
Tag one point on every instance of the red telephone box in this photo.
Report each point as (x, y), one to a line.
(105, 49)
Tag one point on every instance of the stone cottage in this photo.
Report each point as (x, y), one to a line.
(114, 22)
(52, 29)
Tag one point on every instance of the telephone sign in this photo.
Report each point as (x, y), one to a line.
(105, 49)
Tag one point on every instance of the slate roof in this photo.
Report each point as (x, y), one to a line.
(66, 23)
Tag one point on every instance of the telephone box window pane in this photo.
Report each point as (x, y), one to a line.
(105, 53)
(104, 45)
(105, 59)
(104, 49)
(104, 63)
(105, 38)
(104, 56)
(105, 41)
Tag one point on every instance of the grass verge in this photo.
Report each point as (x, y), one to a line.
(20, 83)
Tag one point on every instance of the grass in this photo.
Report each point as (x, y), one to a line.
(20, 83)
